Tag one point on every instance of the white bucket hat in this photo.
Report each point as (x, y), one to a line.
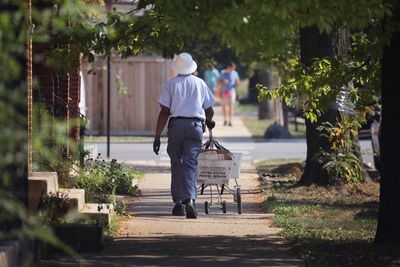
(184, 64)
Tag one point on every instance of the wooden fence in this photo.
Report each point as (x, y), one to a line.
(133, 112)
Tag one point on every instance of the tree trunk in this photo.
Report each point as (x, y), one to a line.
(317, 45)
(388, 229)
(252, 95)
(266, 109)
(285, 115)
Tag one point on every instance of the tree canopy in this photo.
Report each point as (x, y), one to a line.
(259, 31)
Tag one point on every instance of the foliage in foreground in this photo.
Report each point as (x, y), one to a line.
(327, 226)
(103, 180)
(31, 227)
(341, 163)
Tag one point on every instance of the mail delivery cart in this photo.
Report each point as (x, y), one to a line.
(216, 167)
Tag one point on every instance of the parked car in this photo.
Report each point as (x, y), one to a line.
(364, 131)
(375, 138)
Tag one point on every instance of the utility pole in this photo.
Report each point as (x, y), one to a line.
(108, 6)
(30, 83)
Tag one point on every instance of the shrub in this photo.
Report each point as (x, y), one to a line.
(102, 180)
(53, 207)
(341, 162)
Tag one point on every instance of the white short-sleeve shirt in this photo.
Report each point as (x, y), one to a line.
(186, 96)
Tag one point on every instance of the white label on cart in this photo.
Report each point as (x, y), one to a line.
(217, 170)
(214, 171)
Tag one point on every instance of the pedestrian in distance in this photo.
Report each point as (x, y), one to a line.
(229, 80)
(187, 102)
(211, 75)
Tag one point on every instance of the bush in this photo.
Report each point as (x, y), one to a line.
(102, 180)
(53, 207)
(342, 162)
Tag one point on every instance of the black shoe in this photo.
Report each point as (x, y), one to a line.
(225, 123)
(230, 124)
(190, 209)
(178, 210)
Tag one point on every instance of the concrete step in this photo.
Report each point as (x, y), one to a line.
(99, 212)
(76, 198)
(15, 253)
(40, 183)
(44, 183)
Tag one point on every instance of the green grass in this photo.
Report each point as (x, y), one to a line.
(243, 89)
(299, 132)
(257, 127)
(327, 226)
(111, 230)
(253, 108)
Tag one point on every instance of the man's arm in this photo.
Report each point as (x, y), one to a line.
(209, 115)
(162, 120)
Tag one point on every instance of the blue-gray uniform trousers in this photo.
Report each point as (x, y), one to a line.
(184, 145)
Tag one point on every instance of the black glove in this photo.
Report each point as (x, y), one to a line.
(156, 145)
(210, 124)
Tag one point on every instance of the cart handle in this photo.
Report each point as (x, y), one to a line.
(211, 138)
(211, 143)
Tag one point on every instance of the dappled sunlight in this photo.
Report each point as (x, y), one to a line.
(193, 251)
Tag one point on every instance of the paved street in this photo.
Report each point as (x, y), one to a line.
(252, 151)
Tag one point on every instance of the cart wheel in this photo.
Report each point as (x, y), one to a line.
(206, 207)
(239, 200)
(224, 206)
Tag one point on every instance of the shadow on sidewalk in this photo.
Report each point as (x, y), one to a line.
(158, 203)
(162, 169)
(190, 251)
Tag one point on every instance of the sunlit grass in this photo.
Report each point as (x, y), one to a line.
(257, 127)
(246, 108)
(243, 88)
(327, 226)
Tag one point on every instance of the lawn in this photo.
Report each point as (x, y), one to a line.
(327, 226)
(257, 127)
(243, 89)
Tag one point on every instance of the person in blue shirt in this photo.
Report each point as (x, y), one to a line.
(211, 76)
(229, 80)
(187, 102)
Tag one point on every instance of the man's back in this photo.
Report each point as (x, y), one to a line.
(187, 96)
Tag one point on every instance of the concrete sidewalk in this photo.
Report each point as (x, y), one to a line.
(236, 130)
(153, 237)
